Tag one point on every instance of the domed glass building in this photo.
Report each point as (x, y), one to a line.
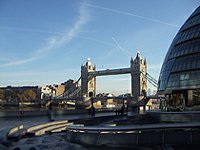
(179, 78)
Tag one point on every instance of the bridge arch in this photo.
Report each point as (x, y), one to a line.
(91, 94)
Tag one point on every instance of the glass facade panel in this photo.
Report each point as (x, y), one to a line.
(185, 48)
(191, 22)
(182, 80)
(180, 73)
(165, 74)
(196, 12)
(189, 34)
(186, 63)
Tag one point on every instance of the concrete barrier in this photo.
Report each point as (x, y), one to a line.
(187, 116)
(135, 135)
(87, 138)
(135, 139)
(94, 120)
(15, 130)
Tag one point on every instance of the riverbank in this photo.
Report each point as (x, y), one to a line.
(18, 113)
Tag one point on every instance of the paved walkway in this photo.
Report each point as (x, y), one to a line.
(46, 142)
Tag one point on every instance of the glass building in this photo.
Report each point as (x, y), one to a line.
(179, 78)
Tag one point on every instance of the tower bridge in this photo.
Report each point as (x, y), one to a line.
(138, 79)
(87, 88)
(82, 93)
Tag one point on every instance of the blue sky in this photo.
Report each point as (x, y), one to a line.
(46, 41)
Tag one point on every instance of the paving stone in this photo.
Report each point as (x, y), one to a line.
(47, 142)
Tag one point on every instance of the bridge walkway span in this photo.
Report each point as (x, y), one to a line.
(111, 72)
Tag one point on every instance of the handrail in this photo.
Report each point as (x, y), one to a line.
(134, 127)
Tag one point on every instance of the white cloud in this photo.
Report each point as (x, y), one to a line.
(18, 62)
(55, 41)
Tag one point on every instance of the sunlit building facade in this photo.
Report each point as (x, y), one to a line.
(179, 78)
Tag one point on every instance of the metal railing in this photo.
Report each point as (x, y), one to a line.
(137, 135)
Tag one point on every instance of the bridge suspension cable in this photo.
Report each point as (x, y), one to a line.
(151, 80)
(72, 90)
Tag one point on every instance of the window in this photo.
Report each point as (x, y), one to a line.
(188, 34)
(184, 77)
(193, 21)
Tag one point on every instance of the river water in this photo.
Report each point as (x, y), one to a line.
(9, 122)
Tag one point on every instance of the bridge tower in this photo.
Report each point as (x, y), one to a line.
(138, 77)
(88, 83)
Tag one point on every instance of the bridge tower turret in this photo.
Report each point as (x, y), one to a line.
(88, 83)
(138, 77)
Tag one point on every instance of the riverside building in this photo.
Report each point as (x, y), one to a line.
(179, 78)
